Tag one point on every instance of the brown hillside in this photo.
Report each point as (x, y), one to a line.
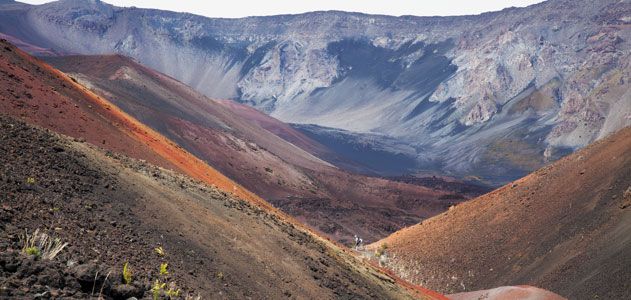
(114, 210)
(565, 228)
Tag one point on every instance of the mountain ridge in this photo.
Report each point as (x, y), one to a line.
(295, 69)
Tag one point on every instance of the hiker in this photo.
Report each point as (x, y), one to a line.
(358, 242)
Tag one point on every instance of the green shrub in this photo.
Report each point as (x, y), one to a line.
(127, 278)
(172, 291)
(33, 251)
(156, 288)
(163, 269)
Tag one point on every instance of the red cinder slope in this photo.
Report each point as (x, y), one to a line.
(565, 228)
(265, 155)
(36, 92)
(42, 95)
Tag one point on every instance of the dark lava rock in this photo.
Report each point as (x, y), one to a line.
(86, 273)
(126, 291)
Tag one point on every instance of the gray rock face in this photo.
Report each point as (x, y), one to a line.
(493, 96)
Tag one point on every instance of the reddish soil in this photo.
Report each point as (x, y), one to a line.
(565, 228)
(265, 155)
(215, 250)
(40, 94)
(112, 209)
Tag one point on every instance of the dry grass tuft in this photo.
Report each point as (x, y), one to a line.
(41, 245)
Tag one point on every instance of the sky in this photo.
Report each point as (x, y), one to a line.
(243, 8)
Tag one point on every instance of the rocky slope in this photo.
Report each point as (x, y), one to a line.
(265, 155)
(219, 239)
(494, 95)
(114, 210)
(34, 91)
(565, 228)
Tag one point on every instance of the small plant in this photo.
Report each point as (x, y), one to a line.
(159, 250)
(127, 278)
(41, 245)
(381, 250)
(30, 180)
(156, 288)
(34, 251)
(220, 275)
(163, 269)
(172, 291)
